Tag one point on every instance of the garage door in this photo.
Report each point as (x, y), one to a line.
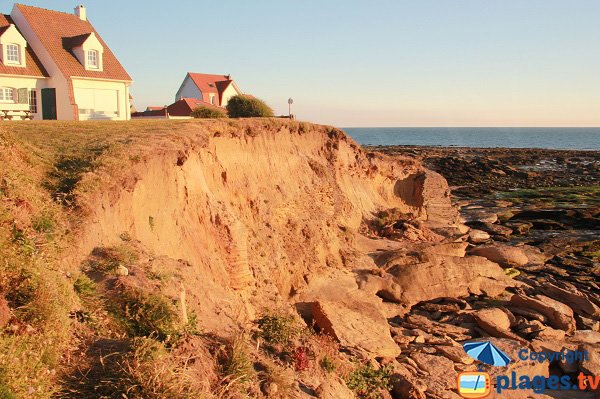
(97, 103)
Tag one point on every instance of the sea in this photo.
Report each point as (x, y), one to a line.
(486, 137)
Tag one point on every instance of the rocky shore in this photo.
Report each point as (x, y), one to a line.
(536, 214)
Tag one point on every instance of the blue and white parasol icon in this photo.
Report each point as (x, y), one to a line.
(487, 353)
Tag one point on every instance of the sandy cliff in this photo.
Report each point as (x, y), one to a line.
(253, 211)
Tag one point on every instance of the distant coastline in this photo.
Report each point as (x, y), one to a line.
(480, 137)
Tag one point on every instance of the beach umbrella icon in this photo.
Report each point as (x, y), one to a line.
(487, 353)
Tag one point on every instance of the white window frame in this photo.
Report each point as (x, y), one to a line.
(93, 55)
(13, 53)
(212, 99)
(32, 97)
(7, 95)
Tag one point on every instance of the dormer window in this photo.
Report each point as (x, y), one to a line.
(13, 54)
(92, 59)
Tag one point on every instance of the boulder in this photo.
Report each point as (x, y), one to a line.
(478, 236)
(333, 388)
(496, 322)
(586, 337)
(442, 375)
(591, 365)
(436, 276)
(455, 353)
(504, 255)
(577, 301)
(559, 315)
(359, 327)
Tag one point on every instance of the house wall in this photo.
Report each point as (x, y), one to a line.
(103, 93)
(188, 89)
(17, 82)
(64, 105)
(229, 92)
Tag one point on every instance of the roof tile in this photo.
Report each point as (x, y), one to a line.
(53, 28)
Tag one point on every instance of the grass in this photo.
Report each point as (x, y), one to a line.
(237, 366)
(107, 260)
(147, 314)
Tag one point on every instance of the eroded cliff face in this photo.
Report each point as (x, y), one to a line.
(253, 211)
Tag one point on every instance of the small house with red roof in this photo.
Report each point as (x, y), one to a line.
(215, 90)
(55, 65)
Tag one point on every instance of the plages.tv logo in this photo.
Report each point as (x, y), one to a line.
(478, 384)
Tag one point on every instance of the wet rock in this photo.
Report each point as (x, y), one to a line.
(356, 327)
(559, 315)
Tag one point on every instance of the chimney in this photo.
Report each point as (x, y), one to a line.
(80, 11)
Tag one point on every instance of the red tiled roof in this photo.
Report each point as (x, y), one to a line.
(33, 65)
(53, 28)
(185, 106)
(208, 83)
(155, 108)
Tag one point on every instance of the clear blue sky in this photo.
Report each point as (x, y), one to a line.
(370, 63)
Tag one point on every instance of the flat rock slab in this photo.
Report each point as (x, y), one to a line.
(559, 315)
(359, 327)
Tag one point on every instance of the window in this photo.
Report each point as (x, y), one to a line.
(212, 99)
(12, 54)
(92, 59)
(7, 95)
(33, 101)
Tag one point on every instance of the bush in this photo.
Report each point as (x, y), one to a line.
(276, 329)
(84, 286)
(368, 382)
(148, 315)
(206, 112)
(242, 106)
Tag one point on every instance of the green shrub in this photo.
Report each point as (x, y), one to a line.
(277, 329)
(84, 286)
(43, 224)
(242, 106)
(209, 113)
(327, 364)
(148, 315)
(368, 383)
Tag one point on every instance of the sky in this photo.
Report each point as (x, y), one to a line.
(369, 63)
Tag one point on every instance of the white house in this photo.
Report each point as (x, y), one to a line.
(55, 65)
(210, 89)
